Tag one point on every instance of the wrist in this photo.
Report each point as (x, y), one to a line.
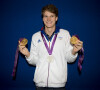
(73, 52)
(28, 54)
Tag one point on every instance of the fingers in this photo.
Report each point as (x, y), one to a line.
(23, 50)
(78, 46)
(79, 43)
(21, 47)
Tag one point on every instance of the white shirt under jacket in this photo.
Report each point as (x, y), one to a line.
(55, 73)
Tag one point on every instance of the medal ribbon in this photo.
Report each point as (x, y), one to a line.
(16, 60)
(48, 49)
(45, 43)
(15, 63)
(81, 56)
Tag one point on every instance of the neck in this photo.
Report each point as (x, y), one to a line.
(50, 31)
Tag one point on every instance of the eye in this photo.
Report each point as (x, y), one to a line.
(52, 16)
(45, 16)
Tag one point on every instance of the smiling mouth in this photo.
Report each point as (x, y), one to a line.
(49, 22)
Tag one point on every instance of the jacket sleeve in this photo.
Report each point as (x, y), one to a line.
(33, 58)
(68, 51)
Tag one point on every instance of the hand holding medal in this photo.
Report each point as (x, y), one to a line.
(77, 44)
(73, 40)
(21, 42)
(78, 47)
(22, 47)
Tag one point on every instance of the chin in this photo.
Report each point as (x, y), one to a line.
(49, 26)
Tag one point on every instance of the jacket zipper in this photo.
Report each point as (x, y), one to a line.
(48, 68)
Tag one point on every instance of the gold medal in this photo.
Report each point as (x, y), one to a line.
(73, 40)
(23, 42)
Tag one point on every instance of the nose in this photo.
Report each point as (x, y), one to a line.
(49, 18)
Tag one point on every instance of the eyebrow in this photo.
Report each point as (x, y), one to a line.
(50, 15)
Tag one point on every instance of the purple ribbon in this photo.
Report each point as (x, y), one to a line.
(45, 43)
(49, 50)
(16, 59)
(81, 56)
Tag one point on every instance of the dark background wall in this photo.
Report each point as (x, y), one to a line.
(22, 18)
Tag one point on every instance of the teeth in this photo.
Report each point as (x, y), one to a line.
(49, 22)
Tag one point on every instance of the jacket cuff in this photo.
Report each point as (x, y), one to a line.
(28, 58)
(73, 56)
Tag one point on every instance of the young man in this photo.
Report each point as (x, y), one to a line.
(51, 51)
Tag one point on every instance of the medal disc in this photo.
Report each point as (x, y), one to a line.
(24, 42)
(73, 40)
(50, 58)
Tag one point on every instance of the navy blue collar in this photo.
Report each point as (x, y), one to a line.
(55, 32)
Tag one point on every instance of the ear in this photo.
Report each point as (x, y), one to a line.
(56, 18)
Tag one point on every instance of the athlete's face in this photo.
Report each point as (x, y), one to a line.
(49, 19)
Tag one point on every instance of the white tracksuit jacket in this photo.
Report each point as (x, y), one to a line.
(53, 74)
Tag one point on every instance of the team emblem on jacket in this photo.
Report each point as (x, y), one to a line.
(39, 41)
(60, 38)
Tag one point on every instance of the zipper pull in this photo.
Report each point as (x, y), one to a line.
(49, 44)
